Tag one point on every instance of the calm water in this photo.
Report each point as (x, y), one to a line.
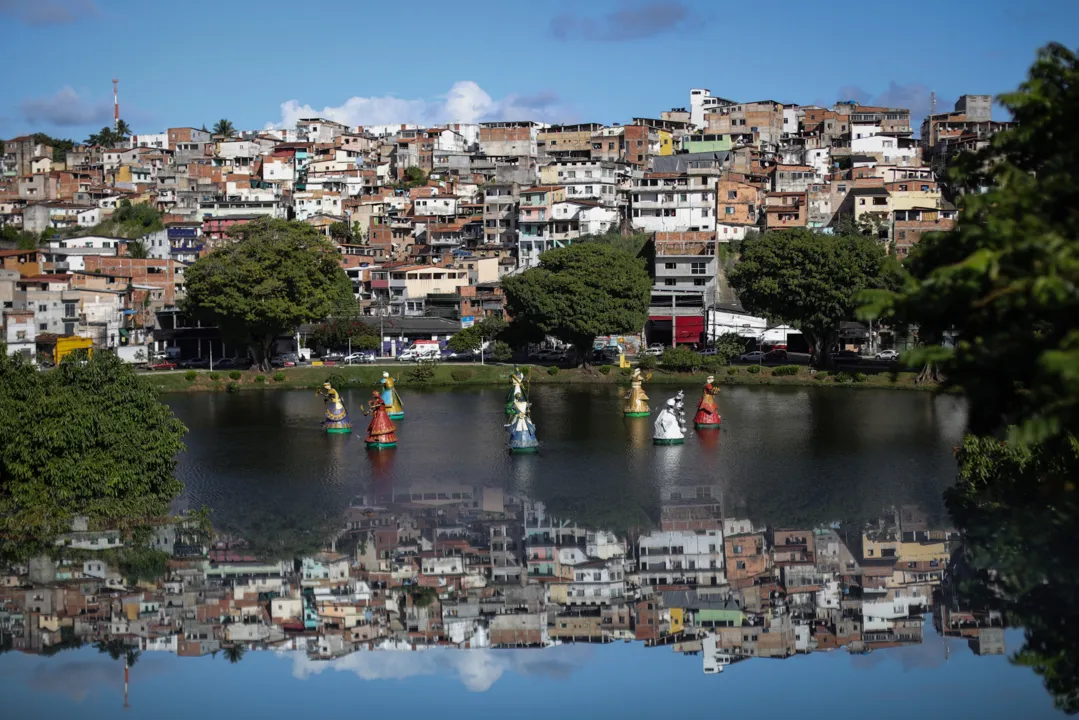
(835, 460)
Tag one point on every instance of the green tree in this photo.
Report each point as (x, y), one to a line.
(415, 177)
(276, 275)
(471, 338)
(88, 438)
(1002, 286)
(136, 249)
(340, 232)
(122, 131)
(810, 280)
(501, 352)
(335, 334)
(136, 220)
(234, 653)
(680, 359)
(631, 244)
(224, 128)
(60, 147)
(579, 292)
(729, 346)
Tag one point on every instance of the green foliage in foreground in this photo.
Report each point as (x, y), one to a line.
(88, 438)
(1004, 285)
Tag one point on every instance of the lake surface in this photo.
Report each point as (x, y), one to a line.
(841, 487)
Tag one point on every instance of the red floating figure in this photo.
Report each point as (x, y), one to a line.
(381, 433)
(707, 416)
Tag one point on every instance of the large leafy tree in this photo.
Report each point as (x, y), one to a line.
(810, 280)
(88, 438)
(123, 130)
(579, 292)
(1004, 284)
(276, 275)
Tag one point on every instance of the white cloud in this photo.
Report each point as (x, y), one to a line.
(466, 102)
(477, 669)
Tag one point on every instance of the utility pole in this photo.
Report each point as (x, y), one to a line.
(115, 104)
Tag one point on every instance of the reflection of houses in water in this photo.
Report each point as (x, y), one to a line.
(472, 567)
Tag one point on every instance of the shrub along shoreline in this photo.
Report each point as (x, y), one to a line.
(450, 375)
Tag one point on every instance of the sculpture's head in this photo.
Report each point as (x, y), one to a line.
(327, 386)
(670, 403)
(385, 374)
(710, 379)
(374, 394)
(636, 372)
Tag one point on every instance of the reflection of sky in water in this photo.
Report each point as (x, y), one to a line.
(615, 680)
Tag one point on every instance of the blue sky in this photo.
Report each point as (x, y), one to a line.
(604, 60)
(617, 680)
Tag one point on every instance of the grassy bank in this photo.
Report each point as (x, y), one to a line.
(486, 375)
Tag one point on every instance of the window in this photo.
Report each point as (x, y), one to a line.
(42, 308)
(698, 268)
(741, 565)
(925, 188)
(902, 234)
(682, 198)
(732, 194)
(670, 266)
(670, 282)
(43, 326)
(700, 282)
(902, 188)
(728, 210)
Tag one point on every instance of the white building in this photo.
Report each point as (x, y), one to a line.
(700, 102)
(20, 333)
(598, 582)
(150, 140)
(663, 202)
(714, 659)
(676, 556)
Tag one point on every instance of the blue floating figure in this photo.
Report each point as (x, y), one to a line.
(522, 437)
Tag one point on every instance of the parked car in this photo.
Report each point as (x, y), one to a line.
(359, 357)
(163, 365)
(194, 363)
(775, 355)
(550, 355)
(848, 355)
(888, 355)
(286, 360)
(754, 356)
(708, 352)
(333, 356)
(655, 349)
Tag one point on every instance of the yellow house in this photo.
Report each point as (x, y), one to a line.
(678, 617)
(907, 195)
(666, 142)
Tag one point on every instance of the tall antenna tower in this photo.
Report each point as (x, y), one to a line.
(115, 103)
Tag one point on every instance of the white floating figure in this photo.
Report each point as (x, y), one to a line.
(668, 429)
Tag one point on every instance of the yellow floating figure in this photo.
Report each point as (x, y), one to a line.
(636, 401)
(390, 398)
(336, 417)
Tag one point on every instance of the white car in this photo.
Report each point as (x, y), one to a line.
(655, 349)
(360, 357)
(754, 356)
(887, 355)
